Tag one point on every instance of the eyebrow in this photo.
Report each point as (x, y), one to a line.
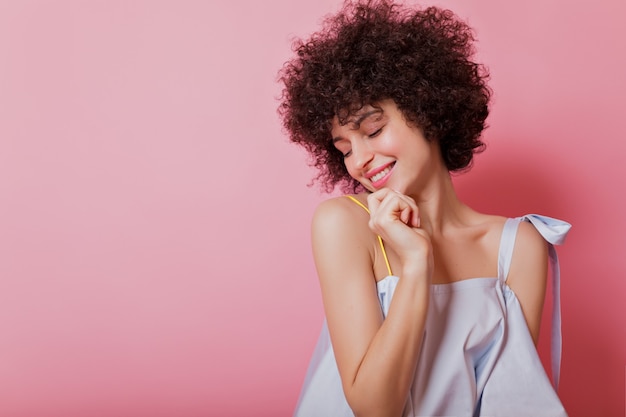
(359, 120)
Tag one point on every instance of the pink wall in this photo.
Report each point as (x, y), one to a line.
(154, 249)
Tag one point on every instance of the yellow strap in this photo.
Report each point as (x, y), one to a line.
(380, 240)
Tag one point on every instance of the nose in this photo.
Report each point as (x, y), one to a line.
(362, 153)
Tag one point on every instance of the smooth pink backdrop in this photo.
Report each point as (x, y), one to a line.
(154, 221)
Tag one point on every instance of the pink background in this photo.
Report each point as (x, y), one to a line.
(154, 247)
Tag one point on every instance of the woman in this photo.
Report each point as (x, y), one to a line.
(432, 308)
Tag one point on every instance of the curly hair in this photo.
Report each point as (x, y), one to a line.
(373, 50)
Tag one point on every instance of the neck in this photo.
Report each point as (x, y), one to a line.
(439, 205)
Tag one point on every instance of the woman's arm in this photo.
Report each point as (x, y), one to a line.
(376, 358)
(528, 275)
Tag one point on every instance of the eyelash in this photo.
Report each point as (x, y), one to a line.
(373, 135)
(376, 133)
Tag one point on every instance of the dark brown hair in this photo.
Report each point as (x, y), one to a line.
(375, 50)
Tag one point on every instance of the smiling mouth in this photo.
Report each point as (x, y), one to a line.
(381, 174)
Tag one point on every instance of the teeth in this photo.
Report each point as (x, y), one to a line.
(381, 174)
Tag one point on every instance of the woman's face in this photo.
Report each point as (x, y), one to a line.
(381, 149)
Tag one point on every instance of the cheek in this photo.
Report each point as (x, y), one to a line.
(392, 143)
(350, 168)
(406, 143)
(353, 173)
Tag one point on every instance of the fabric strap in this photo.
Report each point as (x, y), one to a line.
(554, 232)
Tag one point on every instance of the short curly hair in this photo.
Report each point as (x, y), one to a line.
(373, 50)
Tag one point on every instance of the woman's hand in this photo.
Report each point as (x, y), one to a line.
(395, 218)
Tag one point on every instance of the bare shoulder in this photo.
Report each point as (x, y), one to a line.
(342, 241)
(527, 234)
(528, 240)
(338, 216)
(529, 244)
(529, 265)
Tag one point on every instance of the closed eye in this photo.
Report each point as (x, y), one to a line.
(341, 145)
(376, 133)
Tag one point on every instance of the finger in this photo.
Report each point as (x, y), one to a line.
(395, 207)
(410, 213)
(406, 215)
(414, 218)
(374, 199)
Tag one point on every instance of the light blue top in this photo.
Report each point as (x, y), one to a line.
(477, 357)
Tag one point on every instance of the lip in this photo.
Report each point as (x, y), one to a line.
(371, 173)
(383, 180)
